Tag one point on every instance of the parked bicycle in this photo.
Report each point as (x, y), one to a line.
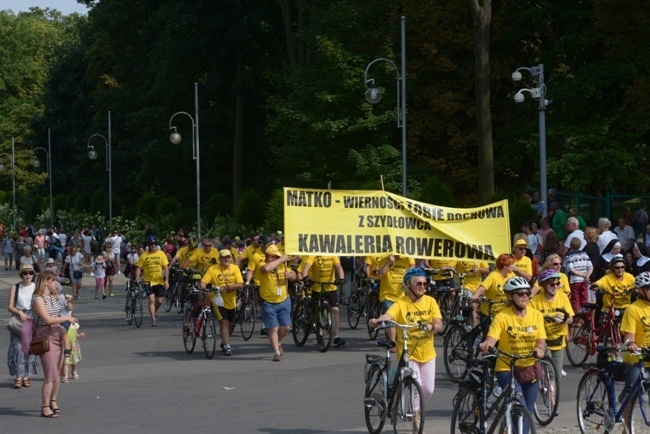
(473, 412)
(135, 292)
(312, 314)
(394, 394)
(598, 408)
(198, 321)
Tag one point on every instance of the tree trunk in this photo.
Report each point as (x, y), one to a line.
(482, 15)
(238, 145)
(288, 30)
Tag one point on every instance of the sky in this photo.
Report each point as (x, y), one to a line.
(64, 6)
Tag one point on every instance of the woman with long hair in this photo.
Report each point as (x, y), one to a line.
(554, 262)
(552, 245)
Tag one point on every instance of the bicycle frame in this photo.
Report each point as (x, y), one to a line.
(608, 329)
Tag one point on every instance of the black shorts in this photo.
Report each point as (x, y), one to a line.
(332, 297)
(157, 290)
(227, 314)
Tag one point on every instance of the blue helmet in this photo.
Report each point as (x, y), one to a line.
(413, 272)
(151, 239)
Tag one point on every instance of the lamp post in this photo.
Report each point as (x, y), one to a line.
(537, 93)
(175, 137)
(373, 95)
(36, 162)
(13, 175)
(92, 154)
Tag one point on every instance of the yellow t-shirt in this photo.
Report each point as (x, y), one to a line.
(322, 270)
(247, 254)
(636, 319)
(152, 265)
(493, 284)
(517, 335)
(222, 277)
(547, 308)
(372, 264)
(472, 280)
(439, 263)
(255, 262)
(390, 285)
(273, 285)
(183, 254)
(615, 290)
(420, 343)
(234, 252)
(524, 264)
(202, 260)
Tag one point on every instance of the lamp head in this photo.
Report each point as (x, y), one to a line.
(175, 137)
(519, 97)
(36, 162)
(92, 154)
(373, 94)
(516, 76)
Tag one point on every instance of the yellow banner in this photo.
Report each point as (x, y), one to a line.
(362, 223)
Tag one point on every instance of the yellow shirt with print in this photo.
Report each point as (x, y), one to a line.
(202, 260)
(517, 335)
(439, 263)
(636, 319)
(548, 308)
(218, 276)
(322, 270)
(248, 252)
(524, 264)
(152, 265)
(493, 284)
(255, 264)
(183, 254)
(390, 285)
(372, 264)
(615, 290)
(273, 285)
(472, 280)
(234, 253)
(419, 343)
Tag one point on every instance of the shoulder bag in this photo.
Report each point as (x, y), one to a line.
(15, 325)
(39, 346)
(77, 274)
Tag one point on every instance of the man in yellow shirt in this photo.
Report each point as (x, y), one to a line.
(256, 259)
(184, 253)
(616, 285)
(203, 258)
(523, 264)
(156, 273)
(227, 276)
(392, 270)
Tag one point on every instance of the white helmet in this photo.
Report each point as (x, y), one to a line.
(642, 280)
(515, 283)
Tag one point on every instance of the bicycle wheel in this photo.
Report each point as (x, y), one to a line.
(446, 307)
(408, 408)
(301, 324)
(354, 311)
(375, 406)
(577, 348)
(128, 310)
(519, 419)
(456, 354)
(189, 334)
(324, 329)
(636, 421)
(374, 310)
(593, 404)
(209, 337)
(178, 300)
(247, 320)
(169, 299)
(137, 310)
(466, 414)
(548, 397)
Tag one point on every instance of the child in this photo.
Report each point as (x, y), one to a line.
(51, 266)
(99, 270)
(65, 309)
(75, 356)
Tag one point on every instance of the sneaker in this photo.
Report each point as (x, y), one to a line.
(563, 373)
(277, 358)
(96, 297)
(223, 346)
(154, 323)
(338, 342)
(119, 272)
(227, 352)
(112, 295)
(92, 274)
(264, 332)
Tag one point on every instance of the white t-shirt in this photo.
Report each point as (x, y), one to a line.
(576, 234)
(76, 264)
(116, 242)
(99, 269)
(63, 238)
(86, 240)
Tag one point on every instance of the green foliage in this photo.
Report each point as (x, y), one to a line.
(250, 209)
(519, 208)
(228, 225)
(275, 211)
(436, 192)
(147, 205)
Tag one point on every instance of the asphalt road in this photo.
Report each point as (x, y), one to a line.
(142, 381)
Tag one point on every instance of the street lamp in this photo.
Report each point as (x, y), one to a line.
(13, 175)
(36, 162)
(373, 96)
(92, 154)
(537, 93)
(175, 137)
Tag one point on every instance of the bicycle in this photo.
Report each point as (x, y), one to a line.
(172, 295)
(451, 300)
(548, 398)
(597, 405)
(135, 292)
(472, 411)
(245, 312)
(395, 395)
(199, 321)
(358, 304)
(312, 313)
(585, 336)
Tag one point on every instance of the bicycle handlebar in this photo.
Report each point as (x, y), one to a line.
(388, 324)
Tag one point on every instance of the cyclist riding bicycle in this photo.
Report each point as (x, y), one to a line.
(156, 272)
(203, 258)
(184, 253)
(416, 307)
(616, 285)
(519, 331)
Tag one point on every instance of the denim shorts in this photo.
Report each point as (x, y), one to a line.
(276, 314)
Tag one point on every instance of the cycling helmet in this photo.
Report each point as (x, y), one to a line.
(413, 272)
(615, 260)
(515, 283)
(642, 280)
(151, 239)
(192, 243)
(547, 274)
(264, 239)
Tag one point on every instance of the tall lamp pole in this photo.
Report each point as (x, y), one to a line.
(37, 163)
(175, 137)
(373, 95)
(537, 93)
(92, 154)
(13, 176)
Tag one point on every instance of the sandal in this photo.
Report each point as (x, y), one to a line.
(64, 379)
(55, 410)
(75, 376)
(18, 383)
(51, 415)
(26, 382)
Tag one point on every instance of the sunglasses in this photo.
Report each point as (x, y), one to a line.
(553, 284)
(521, 248)
(422, 284)
(207, 245)
(556, 264)
(619, 268)
(522, 293)
(28, 273)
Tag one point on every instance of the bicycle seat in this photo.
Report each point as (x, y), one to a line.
(385, 343)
